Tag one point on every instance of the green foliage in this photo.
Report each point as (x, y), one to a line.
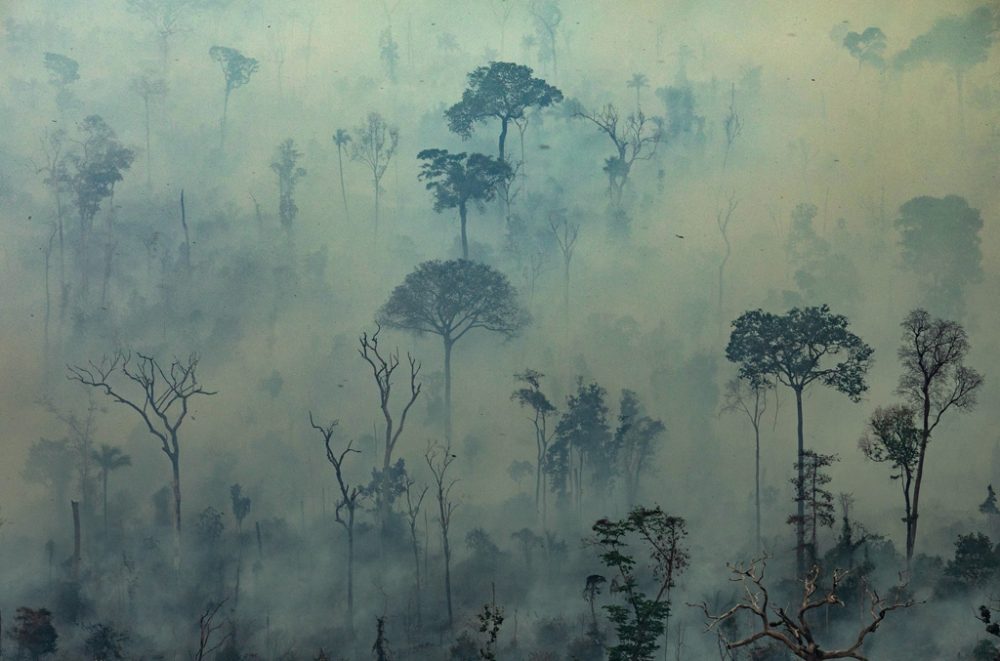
(285, 165)
(240, 503)
(457, 179)
(810, 490)
(976, 561)
(867, 47)
(893, 438)
(640, 620)
(63, 70)
(97, 167)
(209, 526)
(582, 437)
(104, 642)
(796, 349)
(236, 67)
(959, 42)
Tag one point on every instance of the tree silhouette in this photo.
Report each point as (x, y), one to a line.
(530, 396)
(638, 81)
(341, 138)
(797, 349)
(458, 179)
(749, 399)
(502, 91)
(109, 459)
(374, 144)
(148, 88)
(450, 299)
(867, 47)
(236, 69)
(285, 165)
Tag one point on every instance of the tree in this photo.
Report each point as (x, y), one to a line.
(148, 88)
(34, 633)
(940, 242)
(634, 442)
(894, 438)
(240, 505)
(389, 53)
(383, 368)
(792, 630)
(374, 144)
(413, 504)
(566, 234)
(643, 617)
(285, 165)
(867, 47)
(160, 397)
(530, 396)
(348, 502)
(236, 69)
(63, 72)
(958, 42)
(166, 17)
(582, 436)
(733, 124)
(722, 220)
(744, 397)
(104, 642)
(97, 166)
(812, 496)
(342, 138)
(935, 380)
(637, 82)
(438, 459)
(797, 349)
(458, 179)
(502, 91)
(547, 16)
(450, 299)
(108, 459)
(635, 139)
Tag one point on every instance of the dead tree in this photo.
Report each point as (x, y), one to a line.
(413, 504)
(566, 234)
(744, 397)
(206, 628)
(438, 460)
(383, 368)
(792, 629)
(160, 397)
(348, 502)
(722, 219)
(733, 124)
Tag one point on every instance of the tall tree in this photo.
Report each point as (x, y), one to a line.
(935, 380)
(348, 502)
(893, 438)
(867, 47)
(813, 498)
(502, 91)
(638, 81)
(108, 459)
(63, 72)
(449, 299)
(438, 460)
(414, 502)
(940, 242)
(797, 349)
(160, 395)
(166, 17)
(634, 441)
(342, 138)
(240, 504)
(547, 16)
(374, 144)
(531, 397)
(148, 88)
(96, 166)
(383, 368)
(285, 165)
(582, 437)
(236, 69)
(750, 399)
(566, 234)
(634, 138)
(458, 179)
(958, 42)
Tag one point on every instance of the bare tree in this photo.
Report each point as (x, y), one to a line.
(742, 396)
(383, 368)
(374, 143)
(733, 123)
(439, 458)
(148, 88)
(160, 397)
(348, 502)
(341, 138)
(207, 626)
(793, 629)
(722, 219)
(413, 503)
(566, 234)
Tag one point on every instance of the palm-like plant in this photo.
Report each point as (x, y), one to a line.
(637, 82)
(341, 138)
(109, 459)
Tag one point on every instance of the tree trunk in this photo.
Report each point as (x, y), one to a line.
(416, 566)
(447, 389)
(463, 214)
(800, 532)
(756, 495)
(76, 540)
(104, 481)
(376, 205)
(447, 578)
(925, 437)
(149, 173)
(176, 485)
(222, 124)
(343, 189)
(503, 137)
(350, 573)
